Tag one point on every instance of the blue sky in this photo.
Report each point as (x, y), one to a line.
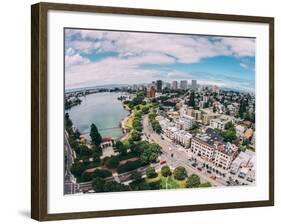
(94, 57)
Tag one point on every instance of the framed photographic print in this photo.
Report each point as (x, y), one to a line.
(139, 111)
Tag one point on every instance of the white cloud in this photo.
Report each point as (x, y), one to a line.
(75, 59)
(136, 49)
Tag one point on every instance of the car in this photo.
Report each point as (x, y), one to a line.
(162, 162)
(162, 137)
(194, 164)
(209, 171)
(250, 179)
(199, 168)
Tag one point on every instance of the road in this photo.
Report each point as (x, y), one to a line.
(180, 155)
(69, 154)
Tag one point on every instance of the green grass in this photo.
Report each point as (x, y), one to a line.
(167, 182)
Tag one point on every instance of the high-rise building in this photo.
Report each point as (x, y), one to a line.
(159, 85)
(193, 84)
(183, 84)
(150, 93)
(168, 85)
(174, 84)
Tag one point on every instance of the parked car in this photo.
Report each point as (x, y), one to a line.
(194, 164)
(162, 162)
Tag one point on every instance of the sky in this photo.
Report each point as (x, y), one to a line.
(97, 57)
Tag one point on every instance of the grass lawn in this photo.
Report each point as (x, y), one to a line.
(167, 182)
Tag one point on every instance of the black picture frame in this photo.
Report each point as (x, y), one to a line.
(39, 108)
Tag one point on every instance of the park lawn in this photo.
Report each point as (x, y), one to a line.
(167, 182)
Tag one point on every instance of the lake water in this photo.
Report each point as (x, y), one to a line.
(102, 109)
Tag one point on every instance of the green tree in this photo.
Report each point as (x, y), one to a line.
(229, 125)
(245, 142)
(166, 171)
(136, 176)
(242, 108)
(229, 135)
(113, 186)
(193, 181)
(156, 126)
(121, 148)
(191, 101)
(98, 184)
(180, 173)
(150, 172)
(112, 162)
(78, 168)
(145, 110)
(136, 136)
(150, 153)
(95, 135)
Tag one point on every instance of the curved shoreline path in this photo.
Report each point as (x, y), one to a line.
(104, 110)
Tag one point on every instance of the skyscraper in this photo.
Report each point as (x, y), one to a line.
(174, 84)
(183, 84)
(193, 84)
(159, 85)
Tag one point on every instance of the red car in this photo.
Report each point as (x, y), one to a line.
(163, 162)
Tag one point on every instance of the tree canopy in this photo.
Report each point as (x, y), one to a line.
(180, 173)
(166, 171)
(95, 135)
(193, 181)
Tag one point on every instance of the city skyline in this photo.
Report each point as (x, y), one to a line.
(96, 58)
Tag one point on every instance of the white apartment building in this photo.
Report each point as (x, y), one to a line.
(170, 132)
(188, 122)
(183, 138)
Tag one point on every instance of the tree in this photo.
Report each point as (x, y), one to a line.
(77, 169)
(229, 135)
(245, 142)
(121, 148)
(136, 136)
(165, 171)
(137, 125)
(150, 153)
(180, 173)
(206, 104)
(152, 116)
(113, 186)
(242, 108)
(98, 184)
(229, 125)
(191, 101)
(76, 134)
(136, 176)
(145, 110)
(150, 172)
(95, 135)
(193, 181)
(112, 162)
(156, 126)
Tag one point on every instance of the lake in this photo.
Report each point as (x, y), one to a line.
(102, 109)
